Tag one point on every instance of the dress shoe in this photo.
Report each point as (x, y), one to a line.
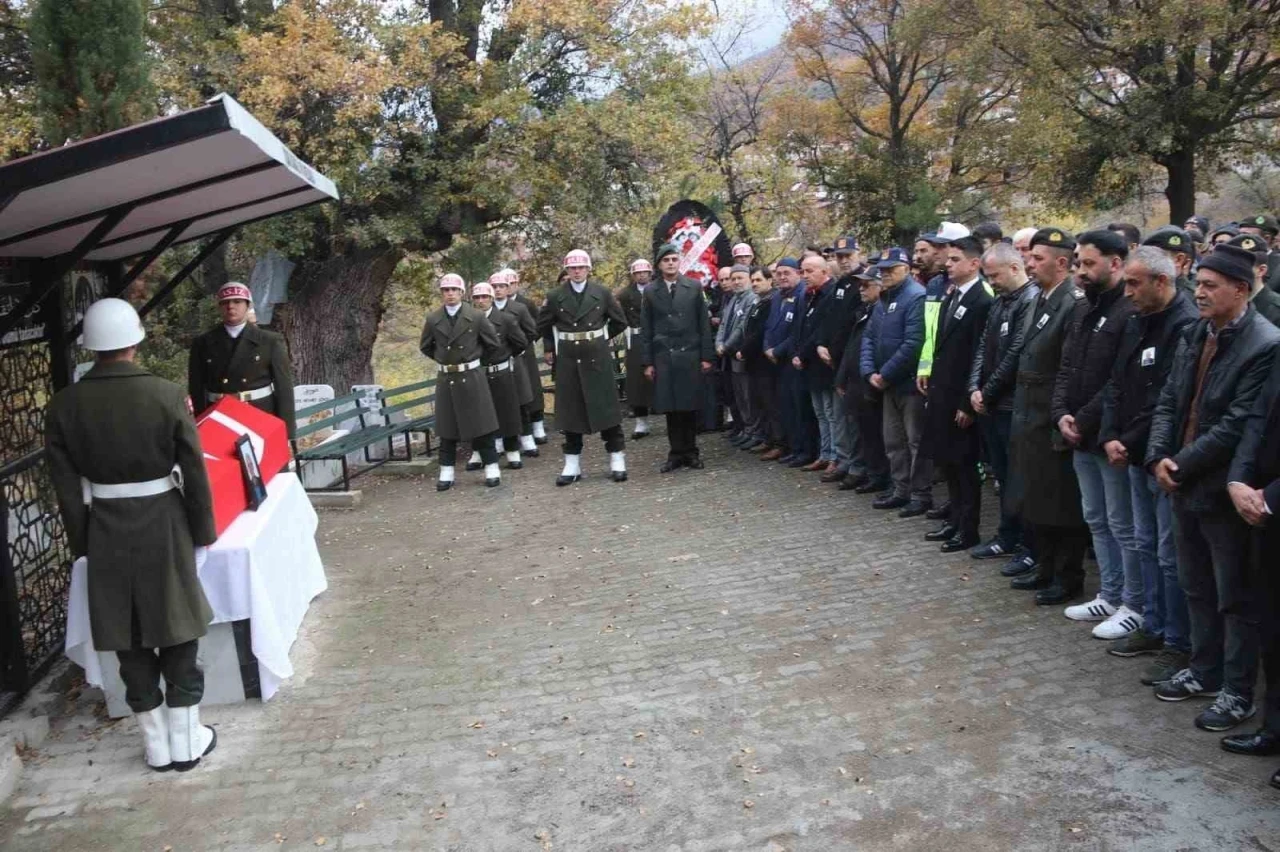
(942, 533)
(851, 482)
(568, 479)
(1275, 779)
(815, 466)
(774, 454)
(871, 486)
(1018, 566)
(1261, 743)
(694, 463)
(800, 462)
(1031, 581)
(1055, 595)
(753, 444)
(639, 436)
(889, 502)
(914, 509)
(831, 475)
(444, 486)
(539, 441)
(530, 454)
(939, 513)
(959, 543)
(670, 465)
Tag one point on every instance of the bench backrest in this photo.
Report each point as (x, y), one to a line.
(407, 397)
(337, 413)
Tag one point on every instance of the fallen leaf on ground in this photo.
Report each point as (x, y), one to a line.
(748, 804)
(628, 762)
(320, 841)
(477, 725)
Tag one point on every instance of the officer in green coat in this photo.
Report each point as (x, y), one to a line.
(129, 473)
(639, 387)
(526, 363)
(577, 322)
(239, 359)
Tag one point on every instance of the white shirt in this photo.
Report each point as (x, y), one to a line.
(452, 310)
(500, 304)
(964, 288)
(578, 288)
(234, 330)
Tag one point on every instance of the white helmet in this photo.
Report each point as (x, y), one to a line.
(641, 265)
(577, 257)
(111, 324)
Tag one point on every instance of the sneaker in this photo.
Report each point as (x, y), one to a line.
(991, 550)
(1122, 622)
(1226, 711)
(1095, 610)
(1182, 686)
(1136, 643)
(1167, 663)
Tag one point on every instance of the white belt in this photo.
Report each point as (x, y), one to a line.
(580, 335)
(460, 368)
(498, 368)
(630, 333)
(118, 490)
(246, 396)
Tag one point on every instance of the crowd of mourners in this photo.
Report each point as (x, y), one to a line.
(1122, 392)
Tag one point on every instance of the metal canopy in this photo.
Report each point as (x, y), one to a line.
(141, 189)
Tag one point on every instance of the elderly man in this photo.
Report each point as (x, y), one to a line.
(831, 339)
(728, 337)
(823, 299)
(869, 473)
(676, 348)
(782, 342)
(762, 374)
(1046, 492)
(1022, 243)
(129, 475)
(991, 383)
(577, 321)
(1138, 375)
(1181, 248)
(1219, 370)
(639, 389)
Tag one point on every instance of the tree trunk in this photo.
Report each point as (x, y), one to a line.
(1180, 191)
(332, 316)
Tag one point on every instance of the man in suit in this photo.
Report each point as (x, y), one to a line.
(639, 389)
(676, 348)
(577, 321)
(951, 437)
(129, 474)
(239, 359)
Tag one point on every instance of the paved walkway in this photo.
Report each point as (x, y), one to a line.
(736, 659)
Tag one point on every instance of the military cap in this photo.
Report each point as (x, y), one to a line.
(1249, 242)
(1263, 222)
(1054, 238)
(666, 249)
(847, 244)
(1228, 229)
(871, 273)
(1171, 238)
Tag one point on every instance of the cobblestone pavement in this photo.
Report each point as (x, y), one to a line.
(732, 659)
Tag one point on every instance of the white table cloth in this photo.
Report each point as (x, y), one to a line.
(264, 567)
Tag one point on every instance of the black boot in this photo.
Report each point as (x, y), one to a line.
(942, 533)
(1032, 580)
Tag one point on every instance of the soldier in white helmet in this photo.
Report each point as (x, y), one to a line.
(639, 387)
(577, 322)
(744, 254)
(530, 384)
(129, 473)
(537, 428)
(507, 380)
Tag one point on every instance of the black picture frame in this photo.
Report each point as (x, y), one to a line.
(254, 486)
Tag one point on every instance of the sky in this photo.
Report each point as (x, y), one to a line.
(766, 22)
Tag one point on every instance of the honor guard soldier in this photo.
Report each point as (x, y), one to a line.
(461, 340)
(127, 466)
(241, 360)
(539, 429)
(577, 321)
(507, 382)
(526, 363)
(639, 388)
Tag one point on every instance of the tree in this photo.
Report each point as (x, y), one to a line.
(91, 66)
(1178, 84)
(18, 124)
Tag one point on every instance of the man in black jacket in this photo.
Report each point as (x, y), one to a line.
(869, 471)
(991, 379)
(825, 296)
(1265, 300)
(1218, 372)
(1254, 486)
(1140, 372)
(1087, 359)
(762, 374)
(950, 437)
(831, 339)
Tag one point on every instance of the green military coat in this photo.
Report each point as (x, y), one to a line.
(586, 393)
(221, 363)
(122, 424)
(639, 389)
(675, 338)
(505, 386)
(464, 407)
(527, 383)
(531, 362)
(1044, 486)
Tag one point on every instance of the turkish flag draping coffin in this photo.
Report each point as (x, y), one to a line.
(220, 426)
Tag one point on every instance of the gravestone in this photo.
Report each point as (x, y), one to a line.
(317, 474)
(269, 284)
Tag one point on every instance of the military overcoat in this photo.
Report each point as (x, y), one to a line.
(639, 389)
(528, 382)
(121, 424)
(675, 337)
(504, 387)
(220, 363)
(586, 391)
(531, 362)
(464, 407)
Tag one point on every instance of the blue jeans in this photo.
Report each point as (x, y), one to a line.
(995, 437)
(1166, 612)
(831, 430)
(821, 411)
(1108, 510)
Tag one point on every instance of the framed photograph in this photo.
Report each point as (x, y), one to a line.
(256, 488)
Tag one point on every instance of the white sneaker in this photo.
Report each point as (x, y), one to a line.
(1121, 623)
(1095, 610)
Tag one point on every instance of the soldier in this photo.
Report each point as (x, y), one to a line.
(1266, 227)
(639, 388)
(460, 339)
(127, 466)
(1045, 491)
(1265, 300)
(241, 360)
(507, 381)
(537, 428)
(526, 363)
(676, 347)
(744, 254)
(1181, 248)
(577, 321)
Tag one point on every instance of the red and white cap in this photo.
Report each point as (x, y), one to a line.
(743, 250)
(641, 265)
(452, 280)
(577, 257)
(495, 279)
(510, 275)
(481, 289)
(235, 290)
